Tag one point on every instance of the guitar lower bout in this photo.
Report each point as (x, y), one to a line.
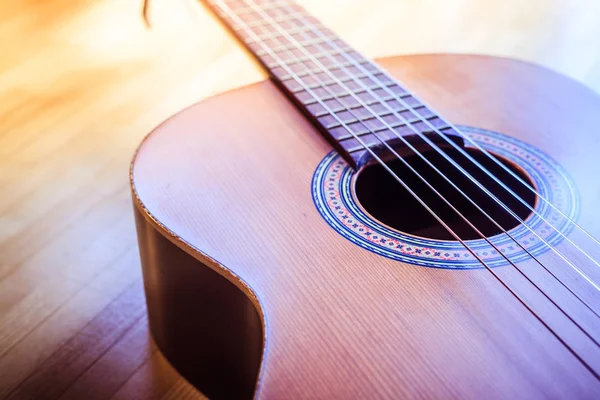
(258, 286)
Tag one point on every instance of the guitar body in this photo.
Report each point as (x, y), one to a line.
(251, 292)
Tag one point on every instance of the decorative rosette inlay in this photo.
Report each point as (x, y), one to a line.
(332, 194)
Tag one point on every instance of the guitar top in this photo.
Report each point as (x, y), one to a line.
(416, 227)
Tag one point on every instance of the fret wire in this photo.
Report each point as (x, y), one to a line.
(341, 106)
(313, 71)
(277, 50)
(412, 148)
(359, 91)
(323, 40)
(358, 99)
(304, 61)
(385, 114)
(424, 204)
(318, 55)
(516, 196)
(245, 30)
(370, 103)
(450, 142)
(443, 135)
(367, 147)
(328, 81)
(378, 130)
(287, 18)
(304, 43)
(376, 157)
(355, 78)
(249, 10)
(348, 79)
(364, 132)
(273, 35)
(326, 109)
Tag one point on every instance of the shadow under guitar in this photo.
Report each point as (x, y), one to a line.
(207, 328)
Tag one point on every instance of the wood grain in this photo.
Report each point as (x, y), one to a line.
(82, 82)
(341, 321)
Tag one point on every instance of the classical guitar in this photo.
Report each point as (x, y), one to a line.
(416, 227)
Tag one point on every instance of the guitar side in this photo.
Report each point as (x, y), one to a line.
(246, 283)
(208, 325)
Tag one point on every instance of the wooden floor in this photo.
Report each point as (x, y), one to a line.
(82, 82)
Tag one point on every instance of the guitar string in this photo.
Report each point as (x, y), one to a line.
(467, 247)
(145, 16)
(462, 151)
(371, 75)
(229, 14)
(464, 172)
(436, 169)
(268, 17)
(481, 186)
(265, 16)
(455, 146)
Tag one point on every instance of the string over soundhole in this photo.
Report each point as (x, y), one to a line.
(380, 195)
(366, 209)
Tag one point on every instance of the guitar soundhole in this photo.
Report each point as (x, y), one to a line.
(388, 202)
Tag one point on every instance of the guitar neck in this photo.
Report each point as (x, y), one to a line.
(353, 102)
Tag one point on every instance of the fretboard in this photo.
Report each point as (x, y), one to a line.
(350, 99)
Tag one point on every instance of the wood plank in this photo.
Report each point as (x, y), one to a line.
(82, 82)
(55, 329)
(116, 366)
(153, 380)
(71, 360)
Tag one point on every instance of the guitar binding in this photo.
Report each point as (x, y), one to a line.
(334, 195)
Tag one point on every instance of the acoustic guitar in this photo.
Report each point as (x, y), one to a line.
(417, 227)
